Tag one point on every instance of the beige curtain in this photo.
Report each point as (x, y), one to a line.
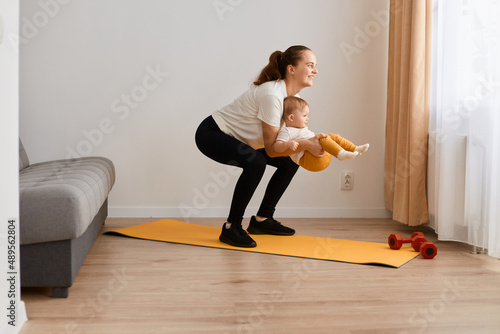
(408, 91)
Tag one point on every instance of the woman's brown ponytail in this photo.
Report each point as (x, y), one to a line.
(278, 62)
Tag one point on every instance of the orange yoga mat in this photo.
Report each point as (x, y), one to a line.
(169, 230)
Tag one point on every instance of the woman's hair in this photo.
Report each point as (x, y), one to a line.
(278, 62)
(292, 103)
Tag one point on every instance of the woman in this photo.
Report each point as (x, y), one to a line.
(242, 134)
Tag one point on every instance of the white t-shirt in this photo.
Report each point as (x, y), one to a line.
(290, 133)
(243, 117)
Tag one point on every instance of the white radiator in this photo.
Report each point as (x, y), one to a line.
(446, 180)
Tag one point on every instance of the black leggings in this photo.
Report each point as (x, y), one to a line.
(228, 150)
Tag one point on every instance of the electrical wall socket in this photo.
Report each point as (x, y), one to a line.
(346, 180)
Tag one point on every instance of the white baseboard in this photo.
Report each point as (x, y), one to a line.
(187, 212)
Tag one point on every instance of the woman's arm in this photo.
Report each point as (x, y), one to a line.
(271, 133)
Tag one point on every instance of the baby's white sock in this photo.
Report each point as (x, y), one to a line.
(346, 155)
(362, 148)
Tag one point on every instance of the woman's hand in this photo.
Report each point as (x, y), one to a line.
(313, 146)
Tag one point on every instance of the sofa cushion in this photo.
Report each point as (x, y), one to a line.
(23, 157)
(59, 199)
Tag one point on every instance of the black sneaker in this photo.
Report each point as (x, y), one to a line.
(268, 226)
(236, 236)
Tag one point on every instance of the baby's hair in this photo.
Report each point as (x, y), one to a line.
(292, 103)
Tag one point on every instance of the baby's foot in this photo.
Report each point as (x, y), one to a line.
(346, 155)
(362, 148)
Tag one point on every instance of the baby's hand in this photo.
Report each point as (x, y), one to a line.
(292, 145)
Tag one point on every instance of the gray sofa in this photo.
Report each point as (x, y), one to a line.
(63, 205)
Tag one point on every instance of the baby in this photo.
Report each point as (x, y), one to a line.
(295, 115)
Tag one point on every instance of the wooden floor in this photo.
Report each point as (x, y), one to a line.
(137, 286)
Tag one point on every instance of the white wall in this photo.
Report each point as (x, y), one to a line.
(86, 88)
(13, 309)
